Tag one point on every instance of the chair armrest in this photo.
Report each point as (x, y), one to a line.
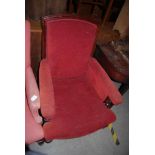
(46, 91)
(33, 130)
(32, 94)
(102, 83)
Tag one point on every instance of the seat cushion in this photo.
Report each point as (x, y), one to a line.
(79, 110)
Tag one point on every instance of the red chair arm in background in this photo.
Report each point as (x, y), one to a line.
(33, 130)
(32, 94)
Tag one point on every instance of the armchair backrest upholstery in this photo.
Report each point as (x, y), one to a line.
(68, 45)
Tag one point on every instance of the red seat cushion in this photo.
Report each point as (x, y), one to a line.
(79, 110)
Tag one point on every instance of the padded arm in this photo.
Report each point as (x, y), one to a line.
(102, 83)
(46, 91)
(32, 94)
(33, 130)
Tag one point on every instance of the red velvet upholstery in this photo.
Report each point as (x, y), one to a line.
(33, 130)
(46, 91)
(102, 83)
(69, 43)
(72, 84)
(78, 110)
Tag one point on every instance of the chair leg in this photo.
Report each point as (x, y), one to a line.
(124, 87)
(27, 148)
(114, 134)
(41, 142)
(48, 141)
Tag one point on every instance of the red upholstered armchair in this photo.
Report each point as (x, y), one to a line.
(73, 86)
(33, 128)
